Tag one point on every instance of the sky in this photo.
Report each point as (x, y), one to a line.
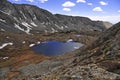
(105, 10)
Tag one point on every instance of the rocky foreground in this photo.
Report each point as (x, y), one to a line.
(18, 61)
(98, 60)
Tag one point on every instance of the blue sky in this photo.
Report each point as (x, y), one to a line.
(105, 10)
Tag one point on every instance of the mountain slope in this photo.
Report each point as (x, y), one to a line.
(99, 61)
(31, 19)
(108, 44)
(105, 51)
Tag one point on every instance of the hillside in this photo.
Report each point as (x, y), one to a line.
(24, 18)
(98, 61)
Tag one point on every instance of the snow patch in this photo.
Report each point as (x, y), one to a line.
(3, 20)
(8, 13)
(38, 42)
(2, 30)
(59, 27)
(18, 27)
(77, 47)
(5, 57)
(16, 19)
(28, 27)
(7, 37)
(70, 40)
(23, 42)
(53, 30)
(66, 26)
(31, 45)
(32, 23)
(34, 18)
(26, 24)
(62, 28)
(23, 14)
(5, 44)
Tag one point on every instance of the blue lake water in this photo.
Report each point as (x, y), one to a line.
(54, 48)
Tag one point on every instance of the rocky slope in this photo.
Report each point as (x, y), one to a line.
(105, 51)
(31, 19)
(99, 61)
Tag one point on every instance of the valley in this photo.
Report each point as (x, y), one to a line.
(36, 44)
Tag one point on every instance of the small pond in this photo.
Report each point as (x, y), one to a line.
(54, 48)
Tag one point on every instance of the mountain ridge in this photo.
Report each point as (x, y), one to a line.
(32, 19)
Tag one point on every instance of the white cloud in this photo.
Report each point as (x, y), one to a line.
(103, 3)
(98, 9)
(43, 1)
(113, 18)
(90, 4)
(68, 4)
(66, 9)
(30, 0)
(16, 0)
(118, 10)
(82, 1)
